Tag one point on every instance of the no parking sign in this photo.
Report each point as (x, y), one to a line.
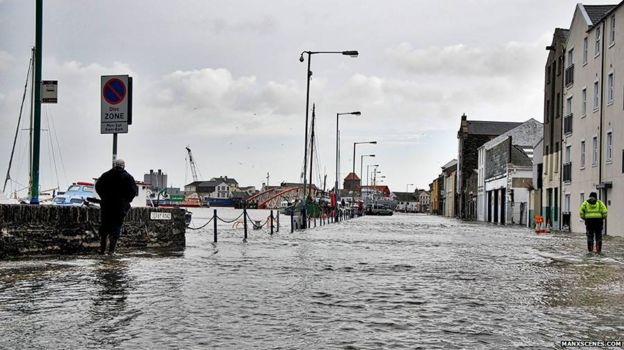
(116, 95)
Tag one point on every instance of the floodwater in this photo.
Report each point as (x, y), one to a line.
(400, 282)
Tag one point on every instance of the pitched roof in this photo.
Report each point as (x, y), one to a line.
(352, 176)
(525, 134)
(406, 196)
(597, 12)
(225, 179)
(482, 127)
(449, 164)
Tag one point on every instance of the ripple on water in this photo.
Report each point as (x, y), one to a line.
(407, 281)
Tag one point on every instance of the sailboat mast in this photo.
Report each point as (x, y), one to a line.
(312, 148)
(36, 132)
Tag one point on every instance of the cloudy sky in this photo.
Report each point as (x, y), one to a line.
(224, 78)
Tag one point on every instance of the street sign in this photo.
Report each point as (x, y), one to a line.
(49, 91)
(116, 94)
(154, 215)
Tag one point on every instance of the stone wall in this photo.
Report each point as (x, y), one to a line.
(47, 229)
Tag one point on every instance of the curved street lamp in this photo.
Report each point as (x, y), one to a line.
(337, 184)
(351, 53)
(360, 143)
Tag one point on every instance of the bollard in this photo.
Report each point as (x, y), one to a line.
(292, 222)
(245, 224)
(315, 221)
(278, 223)
(271, 219)
(214, 218)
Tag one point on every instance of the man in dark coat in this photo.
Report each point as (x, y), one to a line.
(116, 189)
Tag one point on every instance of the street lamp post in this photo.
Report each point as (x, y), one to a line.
(361, 167)
(359, 143)
(367, 173)
(351, 53)
(337, 185)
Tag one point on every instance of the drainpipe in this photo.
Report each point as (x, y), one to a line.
(602, 64)
(560, 155)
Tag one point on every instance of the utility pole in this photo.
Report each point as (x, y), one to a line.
(34, 177)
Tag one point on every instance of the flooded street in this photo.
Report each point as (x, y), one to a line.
(405, 281)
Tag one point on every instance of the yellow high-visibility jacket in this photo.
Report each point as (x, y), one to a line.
(597, 210)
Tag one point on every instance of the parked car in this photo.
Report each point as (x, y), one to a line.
(77, 195)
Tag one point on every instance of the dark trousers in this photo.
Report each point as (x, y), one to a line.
(594, 230)
(112, 232)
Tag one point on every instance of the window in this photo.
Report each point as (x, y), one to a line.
(609, 146)
(612, 31)
(597, 43)
(568, 154)
(570, 58)
(569, 105)
(595, 151)
(584, 101)
(596, 95)
(547, 161)
(582, 196)
(566, 203)
(585, 47)
(610, 88)
(582, 154)
(556, 161)
(547, 119)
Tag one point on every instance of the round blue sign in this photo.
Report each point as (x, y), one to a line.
(114, 91)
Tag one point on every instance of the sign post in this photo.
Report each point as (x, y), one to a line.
(116, 106)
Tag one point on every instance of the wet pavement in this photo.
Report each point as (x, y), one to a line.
(400, 282)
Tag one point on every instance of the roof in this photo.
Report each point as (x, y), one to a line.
(405, 196)
(352, 176)
(225, 179)
(449, 164)
(526, 134)
(482, 127)
(597, 12)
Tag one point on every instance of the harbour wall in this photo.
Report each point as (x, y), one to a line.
(46, 229)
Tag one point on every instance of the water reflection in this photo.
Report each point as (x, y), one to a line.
(404, 281)
(109, 304)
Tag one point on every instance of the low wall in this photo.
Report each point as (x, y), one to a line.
(47, 229)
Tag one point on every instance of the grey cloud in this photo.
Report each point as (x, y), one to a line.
(511, 59)
(263, 25)
(5, 60)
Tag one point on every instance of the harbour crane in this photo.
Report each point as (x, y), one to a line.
(194, 170)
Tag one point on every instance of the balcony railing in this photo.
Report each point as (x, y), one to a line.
(567, 172)
(569, 75)
(567, 124)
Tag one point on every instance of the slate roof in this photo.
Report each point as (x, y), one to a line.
(481, 127)
(405, 196)
(225, 179)
(597, 12)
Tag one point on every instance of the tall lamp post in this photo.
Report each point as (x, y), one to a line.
(362, 166)
(351, 53)
(360, 143)
(367, 173)
(337, 185)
